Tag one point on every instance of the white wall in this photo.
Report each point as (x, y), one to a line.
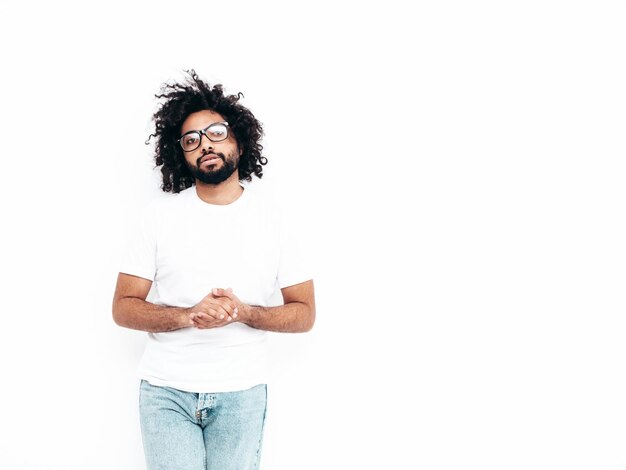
(463, 163)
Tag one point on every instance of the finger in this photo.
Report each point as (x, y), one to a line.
(211, 300)
(210, 318)
(219, 292)
(212, 315)
(209, 311)
(218, 312)
(229, 307)
(215, 292)
(222, 303)
(201, 320)
(211, 323)
(198, 324)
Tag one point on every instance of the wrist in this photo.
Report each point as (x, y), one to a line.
(183, 317)
(244, 312)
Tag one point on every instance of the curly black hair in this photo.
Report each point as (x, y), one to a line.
(190, 97)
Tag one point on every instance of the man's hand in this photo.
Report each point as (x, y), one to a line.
(214, 311)
(296, 315)
(239, 306)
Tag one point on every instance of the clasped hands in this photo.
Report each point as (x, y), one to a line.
(221, 307)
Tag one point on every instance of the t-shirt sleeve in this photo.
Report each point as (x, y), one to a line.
(139, 256)
(295, 263)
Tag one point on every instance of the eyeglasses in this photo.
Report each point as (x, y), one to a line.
(215, 132)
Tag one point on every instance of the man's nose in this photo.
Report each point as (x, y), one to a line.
(206, 145)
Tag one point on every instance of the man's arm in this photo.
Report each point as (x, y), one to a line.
(296, 316)
(131, 310)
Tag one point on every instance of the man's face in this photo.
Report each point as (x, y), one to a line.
(211, 162)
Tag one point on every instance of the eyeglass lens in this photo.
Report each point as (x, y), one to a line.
(215, 132)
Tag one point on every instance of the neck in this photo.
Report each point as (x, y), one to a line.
(220, 194)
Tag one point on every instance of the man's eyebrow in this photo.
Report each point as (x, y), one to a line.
(202, 128)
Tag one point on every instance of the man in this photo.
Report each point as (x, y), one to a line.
(216, 251)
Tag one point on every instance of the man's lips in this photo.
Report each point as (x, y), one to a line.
(211, 158)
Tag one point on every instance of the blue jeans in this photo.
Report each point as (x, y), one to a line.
(201, 431)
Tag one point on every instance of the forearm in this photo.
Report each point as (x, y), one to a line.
(294, 317)
(137, 314)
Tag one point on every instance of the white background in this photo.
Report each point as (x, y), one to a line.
(463, 167)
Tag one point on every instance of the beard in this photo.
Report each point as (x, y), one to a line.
(210, 176)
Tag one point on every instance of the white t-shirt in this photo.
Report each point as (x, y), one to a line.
(187, 247)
